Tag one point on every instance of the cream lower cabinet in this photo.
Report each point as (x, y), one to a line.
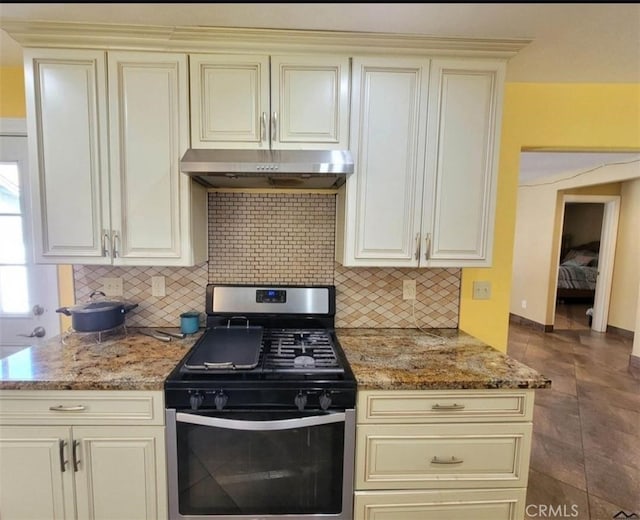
(107, 461)
(425, 136)
(442, 454)
(106, 131)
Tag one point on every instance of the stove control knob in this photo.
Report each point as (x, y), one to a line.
(196, 400)
(325, 400)
(220, 400)
(300, 401)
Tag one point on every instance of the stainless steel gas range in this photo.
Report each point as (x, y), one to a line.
(261, 411)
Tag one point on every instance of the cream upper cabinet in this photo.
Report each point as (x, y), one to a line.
(380, 207)
(426, 149)
(269, 102)
(151, 200)
(463, 140)
(66, 95)
(106, 132)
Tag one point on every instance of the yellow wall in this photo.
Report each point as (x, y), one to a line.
(545, 115)
(12, 102)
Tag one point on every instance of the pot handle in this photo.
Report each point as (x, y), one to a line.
(64, 310)
(97, 292)
(129, 306)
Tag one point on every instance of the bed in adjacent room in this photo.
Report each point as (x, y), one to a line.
(578, 272)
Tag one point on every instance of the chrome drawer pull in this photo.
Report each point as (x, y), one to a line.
(452, 460)
(453, 406)
(61, 408)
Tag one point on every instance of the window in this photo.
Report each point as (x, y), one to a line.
(14, 289)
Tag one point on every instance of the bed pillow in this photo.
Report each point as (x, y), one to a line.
(583, 260)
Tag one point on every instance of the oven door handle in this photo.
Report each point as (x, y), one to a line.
(285, 424)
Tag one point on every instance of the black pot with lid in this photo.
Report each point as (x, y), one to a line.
(97, 315)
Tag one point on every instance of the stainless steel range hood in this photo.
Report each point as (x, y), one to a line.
(268, 168)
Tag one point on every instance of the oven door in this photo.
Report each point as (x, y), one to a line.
(260, 464)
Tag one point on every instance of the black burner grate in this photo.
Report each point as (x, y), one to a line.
(308, 351)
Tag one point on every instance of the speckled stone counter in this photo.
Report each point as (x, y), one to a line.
(439, 359)
(120, 361)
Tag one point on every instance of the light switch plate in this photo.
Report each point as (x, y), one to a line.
(158, 286)
(481, 290)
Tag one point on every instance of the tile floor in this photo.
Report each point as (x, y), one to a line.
(585, 459)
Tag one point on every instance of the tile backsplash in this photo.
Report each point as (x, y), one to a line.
(287, 239)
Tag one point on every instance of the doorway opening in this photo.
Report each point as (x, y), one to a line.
(585, 263)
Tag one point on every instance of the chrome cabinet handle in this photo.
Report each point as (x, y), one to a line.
(76, 460)
(453, 406)
(274, 126)
(115, 240)
(62, 444)
(105, 238)
(452, 460)
(61, 408)
(263, 127)
(427, 246)
(417, 246)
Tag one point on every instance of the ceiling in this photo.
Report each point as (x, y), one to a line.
(572, 42)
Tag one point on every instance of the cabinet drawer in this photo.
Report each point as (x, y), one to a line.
(445, 406)
(71, 407)
(488, 504)
(442, 455)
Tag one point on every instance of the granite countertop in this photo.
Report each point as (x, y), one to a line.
(120, 361)
(438, 359)
(381, 359)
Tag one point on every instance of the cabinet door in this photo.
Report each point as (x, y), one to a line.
(148, 102)
(309, 102)
(121, 472)
(67, 133)
(493, 504)
(382, 199)
(465, 97)
(36, 479)
(229, 101)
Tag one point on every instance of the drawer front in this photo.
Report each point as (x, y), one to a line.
(445, 406)
(442, 455)
(489, 504)
(71, 407)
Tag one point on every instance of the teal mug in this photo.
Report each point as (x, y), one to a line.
(189, 322)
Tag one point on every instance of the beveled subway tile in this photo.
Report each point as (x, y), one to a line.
(547, 491)
(616, 483)
(560, 460)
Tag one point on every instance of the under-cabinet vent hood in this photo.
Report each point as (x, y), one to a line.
(268, 168)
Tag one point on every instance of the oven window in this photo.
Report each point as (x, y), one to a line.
(234, 472)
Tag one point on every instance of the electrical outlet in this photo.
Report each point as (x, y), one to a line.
(112, 286)
(523, 303)
(408, 289)
(481, 290)
(158, 286)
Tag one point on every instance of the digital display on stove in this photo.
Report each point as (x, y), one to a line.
(271, 296)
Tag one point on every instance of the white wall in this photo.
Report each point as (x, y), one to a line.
(626, 270)
(537, 235)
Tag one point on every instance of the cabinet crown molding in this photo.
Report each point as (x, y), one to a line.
(234, 39)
